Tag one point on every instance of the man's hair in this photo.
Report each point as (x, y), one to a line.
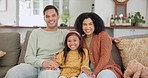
(50, 7)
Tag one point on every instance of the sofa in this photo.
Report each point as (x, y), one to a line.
(15, 51)
(119, 54)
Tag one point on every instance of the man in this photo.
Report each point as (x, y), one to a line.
(42, 44)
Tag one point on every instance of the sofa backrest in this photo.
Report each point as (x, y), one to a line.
(10, 43)
(24, 46)
(115, 51)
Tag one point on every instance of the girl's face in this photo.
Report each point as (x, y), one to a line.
(88, 27)
(73, 42)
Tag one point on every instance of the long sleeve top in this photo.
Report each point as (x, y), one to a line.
(100, 54)
(43, 44)
(73, 64)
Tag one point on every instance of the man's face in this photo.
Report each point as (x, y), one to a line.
(51, 18)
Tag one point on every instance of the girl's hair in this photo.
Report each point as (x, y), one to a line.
(67, 49)
(50, 7)
(97, 21)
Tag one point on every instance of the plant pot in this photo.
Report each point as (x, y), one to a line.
(139, 24)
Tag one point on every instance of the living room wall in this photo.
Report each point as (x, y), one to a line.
(10, 16)
(105, 8)
(102, 7)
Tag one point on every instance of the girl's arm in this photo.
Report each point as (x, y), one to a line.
(85, 63)
(59, 58)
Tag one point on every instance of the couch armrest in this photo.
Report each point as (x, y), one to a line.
(10, 43)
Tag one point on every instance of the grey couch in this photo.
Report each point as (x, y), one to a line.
(10, 42)
(15, 51)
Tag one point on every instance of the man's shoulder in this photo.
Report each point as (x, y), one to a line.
(35, 31)
(64, 31)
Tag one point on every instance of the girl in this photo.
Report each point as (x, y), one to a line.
(74, 59)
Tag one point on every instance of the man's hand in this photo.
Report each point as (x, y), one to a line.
(49, 64)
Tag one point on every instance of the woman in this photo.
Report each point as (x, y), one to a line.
(99, 44)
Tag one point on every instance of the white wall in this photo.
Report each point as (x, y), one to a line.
(9, 17)
(77, 7)
(102, 7)
(147, 13)
(106, 7)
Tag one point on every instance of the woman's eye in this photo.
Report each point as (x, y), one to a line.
(68, 41)
(91, 24)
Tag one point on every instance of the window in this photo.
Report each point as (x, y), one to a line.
(31, 11)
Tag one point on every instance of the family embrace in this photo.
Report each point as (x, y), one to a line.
(59, 53)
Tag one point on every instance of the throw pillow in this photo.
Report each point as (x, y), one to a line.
(133, 49)
(2, 53)
(133, 69)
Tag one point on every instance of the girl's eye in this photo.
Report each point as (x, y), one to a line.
(75, 40)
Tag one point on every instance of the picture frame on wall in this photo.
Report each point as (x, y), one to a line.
(3, 5)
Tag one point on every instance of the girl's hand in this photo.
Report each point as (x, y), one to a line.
(54, 57)
(86, 71)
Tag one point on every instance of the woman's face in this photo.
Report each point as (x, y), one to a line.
(73, 42)
(88, 27)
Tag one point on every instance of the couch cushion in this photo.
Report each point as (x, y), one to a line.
(10, 43)
(3, 71)
(116, 56)
(133, 49)
(24, 46)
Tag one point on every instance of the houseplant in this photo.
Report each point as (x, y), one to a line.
(65, 19)
(137, 19)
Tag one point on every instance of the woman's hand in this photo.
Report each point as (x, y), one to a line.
(93, 75)
(116, 39)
